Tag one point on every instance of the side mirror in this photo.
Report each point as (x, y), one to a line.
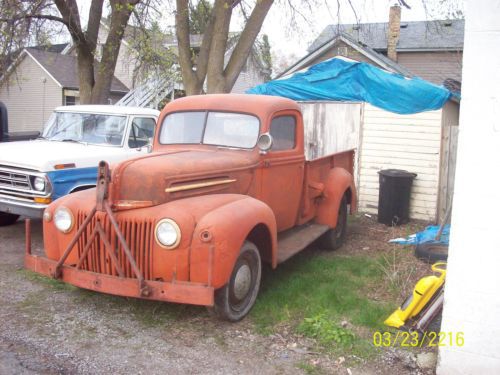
(265, 142)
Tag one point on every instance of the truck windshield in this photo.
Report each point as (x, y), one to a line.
(210, 128)
(86, 128)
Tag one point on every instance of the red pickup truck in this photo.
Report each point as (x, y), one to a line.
(226, 188)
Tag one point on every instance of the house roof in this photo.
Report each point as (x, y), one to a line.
(370, 53)
(57, 48)
(64, 69)
(414, 36)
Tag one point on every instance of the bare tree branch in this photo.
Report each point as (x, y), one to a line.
(245, 42)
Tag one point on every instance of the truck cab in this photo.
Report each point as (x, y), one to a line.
(64, 158)
(227, 188)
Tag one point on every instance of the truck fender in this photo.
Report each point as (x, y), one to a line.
(220, 233)
(66, 181)
(338, 183)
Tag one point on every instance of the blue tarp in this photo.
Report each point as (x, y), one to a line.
(428, 235)
(347, 80)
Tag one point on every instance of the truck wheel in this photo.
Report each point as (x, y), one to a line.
(7, 219)
(234, 300)
(335, 237)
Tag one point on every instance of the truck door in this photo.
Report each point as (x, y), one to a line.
(142, 131)
(283, 168)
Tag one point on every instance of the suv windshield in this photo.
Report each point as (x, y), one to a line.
(210, 128)
(85, 128)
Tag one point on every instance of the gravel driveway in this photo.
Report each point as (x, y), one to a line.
(47, 327)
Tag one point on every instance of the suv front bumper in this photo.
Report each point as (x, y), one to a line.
(20, 207)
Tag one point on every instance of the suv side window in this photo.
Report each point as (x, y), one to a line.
(141, 132)
(283, 132)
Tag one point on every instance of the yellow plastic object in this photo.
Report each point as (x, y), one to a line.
(425, 288)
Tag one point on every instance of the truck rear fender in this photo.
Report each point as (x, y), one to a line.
(338, 183)
(220, 233)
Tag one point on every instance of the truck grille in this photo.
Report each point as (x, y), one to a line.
(16, 183)
(11, 179)
(138, 235)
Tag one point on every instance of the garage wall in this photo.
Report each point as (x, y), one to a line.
(410, 142)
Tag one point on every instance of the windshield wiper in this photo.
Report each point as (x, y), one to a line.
(70, 140)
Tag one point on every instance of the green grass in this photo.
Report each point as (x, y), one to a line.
(309, 368)
(314, 293)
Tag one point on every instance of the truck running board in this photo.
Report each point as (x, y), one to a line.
(291, 241)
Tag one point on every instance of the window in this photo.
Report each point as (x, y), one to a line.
(86, 128)
(283, 133)
(70, 100)
(142, 132)
(213, 128)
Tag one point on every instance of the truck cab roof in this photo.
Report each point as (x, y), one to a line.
(260, 105)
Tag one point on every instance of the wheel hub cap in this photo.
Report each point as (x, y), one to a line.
(242, 282)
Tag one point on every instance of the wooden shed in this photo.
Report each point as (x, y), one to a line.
(423, 143)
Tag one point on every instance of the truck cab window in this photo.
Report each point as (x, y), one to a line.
(283, 133)
(141, 132)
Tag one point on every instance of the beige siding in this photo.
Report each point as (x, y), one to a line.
(248, 77)
(341, 49)
(29, 100)
(433, 66)
(125, 62)
(409, 142)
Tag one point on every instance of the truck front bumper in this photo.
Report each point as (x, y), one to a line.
(177, 291)
(19, 207)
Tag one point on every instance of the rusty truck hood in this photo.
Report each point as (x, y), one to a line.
(161, 177)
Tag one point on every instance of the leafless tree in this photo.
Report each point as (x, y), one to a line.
(94, 77)
(209, 64)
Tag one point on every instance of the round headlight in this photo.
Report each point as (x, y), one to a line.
(63, 219)
(168, 234)
(39, 183)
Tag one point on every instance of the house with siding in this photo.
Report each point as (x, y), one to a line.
(431, 50)
(40, 80)
(423, 143)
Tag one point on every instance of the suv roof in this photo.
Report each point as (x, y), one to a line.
(110, 109)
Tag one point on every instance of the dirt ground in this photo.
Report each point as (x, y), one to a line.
(51, 328)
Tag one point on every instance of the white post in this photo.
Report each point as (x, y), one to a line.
(472, 294)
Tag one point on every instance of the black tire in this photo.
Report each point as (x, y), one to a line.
(431, 252)
(334, 238)
(7, 219)
(230, 303)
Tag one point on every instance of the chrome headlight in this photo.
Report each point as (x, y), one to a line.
(168, 234)
(39, 183)
(63, 219)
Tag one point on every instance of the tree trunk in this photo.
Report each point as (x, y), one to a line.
(107, 66)
(85, 74)
(216, 82)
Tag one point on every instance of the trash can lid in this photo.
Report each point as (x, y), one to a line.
(397, 173)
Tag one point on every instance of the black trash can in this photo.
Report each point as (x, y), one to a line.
(394, 196)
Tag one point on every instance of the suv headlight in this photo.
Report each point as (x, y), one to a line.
(63, 219)
(39, 183)
(168, 234)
